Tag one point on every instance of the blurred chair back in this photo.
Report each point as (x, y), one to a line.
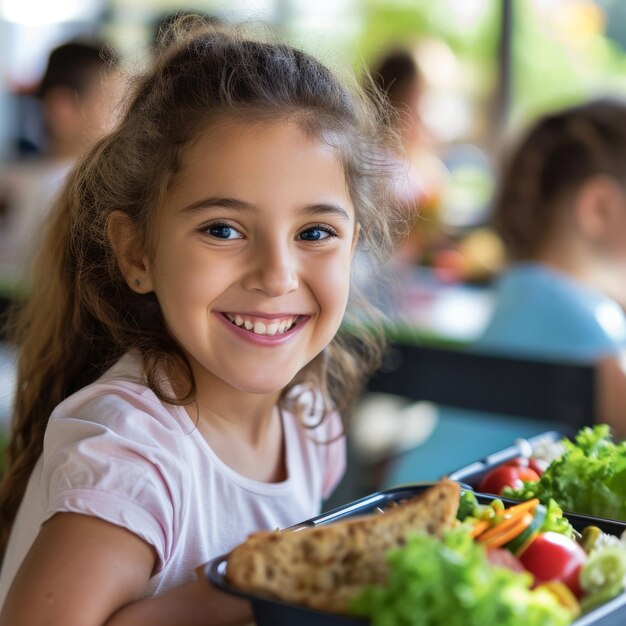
(536, 389)
(557, 395)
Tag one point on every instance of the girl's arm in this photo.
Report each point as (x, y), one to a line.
(83, 571)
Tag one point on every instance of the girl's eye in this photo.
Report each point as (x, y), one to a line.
(317, 233)
(222, 231)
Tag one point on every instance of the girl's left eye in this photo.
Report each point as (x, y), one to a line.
(222, 231)
(317, 233)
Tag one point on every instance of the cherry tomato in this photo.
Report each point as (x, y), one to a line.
(552, 556)
(506, 476)
(537, 465)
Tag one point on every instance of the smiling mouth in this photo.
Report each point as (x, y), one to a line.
(258, 326)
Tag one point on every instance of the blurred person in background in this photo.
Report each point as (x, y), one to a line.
(79, 93)
(561, 212)
(420, 181)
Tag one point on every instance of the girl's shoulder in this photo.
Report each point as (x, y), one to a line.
(121, 400)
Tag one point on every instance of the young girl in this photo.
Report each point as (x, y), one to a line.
(180, 376)
(561, 212)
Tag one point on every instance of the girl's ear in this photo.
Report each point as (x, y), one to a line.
(127, 245)
(600, 209)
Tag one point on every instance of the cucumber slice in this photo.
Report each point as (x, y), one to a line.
(519, 544)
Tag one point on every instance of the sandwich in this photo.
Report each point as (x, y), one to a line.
(324, 567)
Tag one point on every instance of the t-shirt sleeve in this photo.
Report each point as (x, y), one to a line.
(335, 455)
(117, 469)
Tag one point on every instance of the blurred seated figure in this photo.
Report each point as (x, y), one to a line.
(79, 92)
(562, 216)
(398, 77)
(561, 212)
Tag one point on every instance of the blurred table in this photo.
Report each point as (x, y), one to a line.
(422, 307)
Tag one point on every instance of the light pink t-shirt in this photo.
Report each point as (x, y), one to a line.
(114, 451)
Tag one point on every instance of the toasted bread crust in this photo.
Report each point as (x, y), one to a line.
(324, 567)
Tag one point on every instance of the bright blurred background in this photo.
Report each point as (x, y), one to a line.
(487, 68)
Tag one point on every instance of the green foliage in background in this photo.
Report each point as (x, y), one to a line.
(549, 73)
(400, 22)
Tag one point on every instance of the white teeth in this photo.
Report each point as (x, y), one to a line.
(259, 328)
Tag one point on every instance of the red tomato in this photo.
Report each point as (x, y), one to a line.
(506, 476)
(552, 556)
(537, 465)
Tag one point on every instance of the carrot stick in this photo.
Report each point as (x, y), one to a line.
(506, 523)
(508, 534)
(479, 528)
(522, 506)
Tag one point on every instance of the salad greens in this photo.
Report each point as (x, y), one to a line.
(451, 583)
(589, 477)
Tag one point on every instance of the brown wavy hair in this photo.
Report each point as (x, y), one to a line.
(81, 316)
(552, 161)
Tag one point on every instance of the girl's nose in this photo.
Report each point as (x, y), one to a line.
(273, 271)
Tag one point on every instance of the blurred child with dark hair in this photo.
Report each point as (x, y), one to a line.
(397, 75)
(78, 95)
(561, 213)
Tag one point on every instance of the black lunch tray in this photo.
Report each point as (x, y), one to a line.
(272, 612)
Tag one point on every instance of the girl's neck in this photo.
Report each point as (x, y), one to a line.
(228, 410)
(244, 430)
(249, 440)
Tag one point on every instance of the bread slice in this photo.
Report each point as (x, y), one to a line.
(325, 566)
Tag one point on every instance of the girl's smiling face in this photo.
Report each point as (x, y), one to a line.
(253, 253)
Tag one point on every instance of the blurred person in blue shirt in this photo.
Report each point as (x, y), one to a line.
(561, 213)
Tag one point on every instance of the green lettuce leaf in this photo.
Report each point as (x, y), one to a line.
(451, 583)
(589, 477)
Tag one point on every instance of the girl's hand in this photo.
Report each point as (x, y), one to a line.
(83, 571)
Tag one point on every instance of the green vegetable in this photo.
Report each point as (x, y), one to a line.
(590, 537)
(604, 568)
(467, 505)
(589, 477)
(451, 583)
(555, 522)
(594, 600)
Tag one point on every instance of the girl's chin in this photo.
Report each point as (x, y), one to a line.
(262, 388)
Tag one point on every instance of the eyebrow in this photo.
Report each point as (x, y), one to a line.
(320, 208)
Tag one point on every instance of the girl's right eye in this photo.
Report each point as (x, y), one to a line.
(222, 231)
